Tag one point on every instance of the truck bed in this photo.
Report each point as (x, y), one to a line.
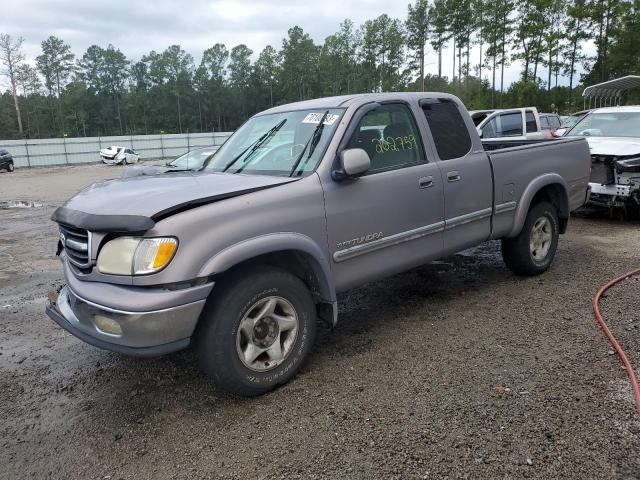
(516, 163)
(498, 144)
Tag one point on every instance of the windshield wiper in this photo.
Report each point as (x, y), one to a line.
(255, 145)
(311, 143)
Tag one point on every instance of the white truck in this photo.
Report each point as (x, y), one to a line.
(513, 123)
(613, 135)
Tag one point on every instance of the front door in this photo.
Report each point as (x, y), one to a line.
(507, 125)
(391, 218)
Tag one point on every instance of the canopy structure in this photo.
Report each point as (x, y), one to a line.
(610, 92)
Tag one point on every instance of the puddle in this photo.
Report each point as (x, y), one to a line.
(20, 204)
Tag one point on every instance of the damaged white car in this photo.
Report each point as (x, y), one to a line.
(613, 135)
(115, 155)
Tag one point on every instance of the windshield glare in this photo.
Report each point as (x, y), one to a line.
(193, 159)
(612, 124)
(272, 144)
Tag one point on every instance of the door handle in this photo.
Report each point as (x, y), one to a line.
(425, 182)
(453, 176)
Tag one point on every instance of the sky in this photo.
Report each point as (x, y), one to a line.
(137, 27)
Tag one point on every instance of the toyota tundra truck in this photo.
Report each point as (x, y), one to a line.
(241, 259)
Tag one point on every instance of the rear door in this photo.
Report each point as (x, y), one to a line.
(467, 178)
(391, 218)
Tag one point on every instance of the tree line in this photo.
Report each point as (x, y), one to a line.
(104, 93)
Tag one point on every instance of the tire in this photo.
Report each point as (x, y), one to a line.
(528, 256)
(223, 347)
(10, 167)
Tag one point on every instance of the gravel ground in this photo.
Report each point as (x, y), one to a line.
(457, 369)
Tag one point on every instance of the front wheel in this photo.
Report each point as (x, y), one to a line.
(533, 250)
(10, 167)
(256, 331)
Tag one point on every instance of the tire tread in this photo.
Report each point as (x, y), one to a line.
(515, 251)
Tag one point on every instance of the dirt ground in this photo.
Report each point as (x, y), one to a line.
(457, 369)
(53, 185)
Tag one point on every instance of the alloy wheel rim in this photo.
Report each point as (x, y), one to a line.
(540, 240)
(267, 333)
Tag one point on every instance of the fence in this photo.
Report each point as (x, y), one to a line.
(69, 151)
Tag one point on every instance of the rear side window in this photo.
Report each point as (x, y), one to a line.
(531, 122)
(450, 133)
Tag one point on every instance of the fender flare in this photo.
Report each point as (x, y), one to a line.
(273, 243)
(530, 191)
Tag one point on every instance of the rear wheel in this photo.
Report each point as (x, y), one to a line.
(533, 250)
(256, 331)
(10, 167)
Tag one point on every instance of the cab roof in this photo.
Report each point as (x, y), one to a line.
(344, 101)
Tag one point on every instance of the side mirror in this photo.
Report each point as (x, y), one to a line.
(353, 163)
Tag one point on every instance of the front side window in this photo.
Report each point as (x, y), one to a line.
(282, 144)
(503, 125)
(510, 124)
(544, 122)
(390, 136)
(490, 130)
(450, 133)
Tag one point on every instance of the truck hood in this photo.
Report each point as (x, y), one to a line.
(134, 204)
(618, 146)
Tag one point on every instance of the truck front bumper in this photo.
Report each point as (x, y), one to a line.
(146, 333)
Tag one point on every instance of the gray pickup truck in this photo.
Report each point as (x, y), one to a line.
(241, 259)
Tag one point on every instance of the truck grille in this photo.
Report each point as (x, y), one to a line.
(602, 170)
(77, 245)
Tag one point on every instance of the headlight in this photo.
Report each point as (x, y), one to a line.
(136, 256)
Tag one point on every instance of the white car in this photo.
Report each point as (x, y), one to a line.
(613, 135)
(115, 155)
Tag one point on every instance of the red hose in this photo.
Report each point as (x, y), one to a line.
(612, 339)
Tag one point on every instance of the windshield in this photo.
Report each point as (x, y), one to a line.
(611, 124)
(192, 160)
(285, 144)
